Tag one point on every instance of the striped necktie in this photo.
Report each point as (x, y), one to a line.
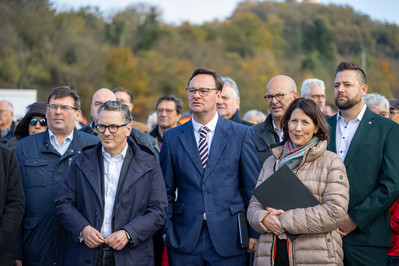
(203, 145)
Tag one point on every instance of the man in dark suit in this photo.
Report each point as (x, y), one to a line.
(211, 162)
(113, 197)
(368, 145)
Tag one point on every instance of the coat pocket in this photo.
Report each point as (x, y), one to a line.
(36, 172)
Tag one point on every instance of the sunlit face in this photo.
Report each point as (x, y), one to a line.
(113, 143)
(37, 128)
(280, 85)
(380, 109)
(348, 90)
(394, 115)
(62, 121)
(301, 128)
(101, 96)
(200, 105)
(167, 116)
(318, 95)
(229, 103)
(124, 98)
(5, 115)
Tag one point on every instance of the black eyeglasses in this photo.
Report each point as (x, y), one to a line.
(112, 128)
(55, 107)
(278, 96)
(34, 121)
(202, 91)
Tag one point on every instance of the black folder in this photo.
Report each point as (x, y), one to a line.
(284, 190)
(243, 230)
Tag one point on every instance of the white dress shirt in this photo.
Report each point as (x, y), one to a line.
(65, 144)
(346, 132)
(279, 132)
(112, 171)
(211, 126)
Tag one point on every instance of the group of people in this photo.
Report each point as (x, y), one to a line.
(110, 194)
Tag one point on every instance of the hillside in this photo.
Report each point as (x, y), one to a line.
(84, 49)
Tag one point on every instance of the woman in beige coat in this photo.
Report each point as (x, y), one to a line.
(306, 134)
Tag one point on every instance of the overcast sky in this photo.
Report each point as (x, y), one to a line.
(177, 11)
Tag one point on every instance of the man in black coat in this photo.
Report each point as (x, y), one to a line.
(12, 203)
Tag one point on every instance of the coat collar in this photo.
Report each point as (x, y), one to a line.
(89, 165)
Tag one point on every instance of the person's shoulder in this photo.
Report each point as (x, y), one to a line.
(4, 150)
(87, 136)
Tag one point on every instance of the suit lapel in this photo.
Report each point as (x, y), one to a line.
(365, 125)
(91, 169)
(190, 146)
(332, 146)
(220, 139)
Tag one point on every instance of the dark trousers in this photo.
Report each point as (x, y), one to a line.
(105, 256)
(159, 247)
(393, 261)
(365, 255)
(204, 254)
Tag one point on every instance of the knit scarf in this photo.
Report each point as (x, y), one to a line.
(293, 157)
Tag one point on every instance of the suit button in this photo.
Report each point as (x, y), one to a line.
(206, 193)
(95, 213)
(328, 240)
(87, 261)
(202, 211)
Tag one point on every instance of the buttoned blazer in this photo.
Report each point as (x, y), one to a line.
(140, 206)
(372, 165)
(221, 190)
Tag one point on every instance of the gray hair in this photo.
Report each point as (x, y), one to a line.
(116, 106)
(375, 99)
(260, 117)
(307, 84)
(10, 105)
(233, 84)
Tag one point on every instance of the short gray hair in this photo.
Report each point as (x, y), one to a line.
(375, 99)
(233, 84)
(307, 84)
(116, 106)
(10, 105)
(260, 117)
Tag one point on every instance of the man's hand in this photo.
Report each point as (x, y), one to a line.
(117, 240)
(253, 243)
(17, 262)
(347, 226)
(92, 237)
(272, 221)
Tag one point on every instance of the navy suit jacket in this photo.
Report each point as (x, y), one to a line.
(372, 166)
(222, 190)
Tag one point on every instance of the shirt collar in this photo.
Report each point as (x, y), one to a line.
(108, 157)
(211, 125)
(52, 136)
(358, 117)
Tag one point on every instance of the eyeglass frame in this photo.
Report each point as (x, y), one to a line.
(62, 107)
(109, 129)
(43, 121)
(203, 93)
(279, 96)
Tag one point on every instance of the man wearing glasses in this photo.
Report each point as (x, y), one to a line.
(280, 92)
(314, 89)
(211, 163)
(43, 159)
(113, 197)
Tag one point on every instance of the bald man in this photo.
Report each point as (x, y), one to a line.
(280, 92)
(101, 96)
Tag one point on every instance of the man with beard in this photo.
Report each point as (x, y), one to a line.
(368, 145)
(280, 92)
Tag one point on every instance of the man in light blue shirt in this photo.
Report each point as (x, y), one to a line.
(43, 159)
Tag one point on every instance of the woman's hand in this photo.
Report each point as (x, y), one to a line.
(272, 221)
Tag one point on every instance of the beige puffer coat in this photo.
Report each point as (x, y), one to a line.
(319, 243)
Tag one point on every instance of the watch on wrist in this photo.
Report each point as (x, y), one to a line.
(128, 235)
